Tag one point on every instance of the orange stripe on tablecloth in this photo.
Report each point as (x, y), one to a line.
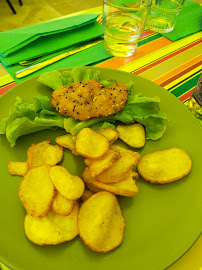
(7, 87)
(141, 51)
(147, 33)
(186, 95)
(178, 75)
(167, 57)
(178, 70)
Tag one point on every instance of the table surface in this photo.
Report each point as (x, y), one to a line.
(176, 66)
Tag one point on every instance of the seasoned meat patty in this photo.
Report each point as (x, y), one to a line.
(89, 99)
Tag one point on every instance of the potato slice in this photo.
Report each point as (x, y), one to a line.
(111, 134)
(126, 187)
(97, 166)
(17, 168)
(121, 169)
(101, 223)
(92, 188)
(88, 161)
(66, 141)
(37, 191)
(87, 178)
(91, 144)
(62, 206)
(86, 195)
(122, 150)
(133, 135)
(44, 153)
(70, 186)
(165, 166)
(52, 229)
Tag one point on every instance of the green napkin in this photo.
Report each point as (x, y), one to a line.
(13, 40)
(86, 57)
(52, 41)
(189, 21)
(124, 3)
(48, 44)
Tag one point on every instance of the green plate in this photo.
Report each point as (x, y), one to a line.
(162, 221)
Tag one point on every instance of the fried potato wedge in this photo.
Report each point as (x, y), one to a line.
(97, 166)
(126, 187)
(70, 186)
(88, 161)
(91, 144)
(121, 169)
(36, 191)
(92, 188)
(17, 168)
(122, 150)
(62, 206)
(111, 134)
(66, 141)
(86, 195)
(86, 175)
(44, 153)
(101, 223)
(133, 135)
(87, 178)
(165, 166)
(52, 229)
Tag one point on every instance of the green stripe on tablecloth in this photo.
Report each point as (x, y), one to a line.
(186, 86)
(149, 39)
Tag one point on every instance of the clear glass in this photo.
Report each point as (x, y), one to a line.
(163, 15)
(123, 24)
(195, 101)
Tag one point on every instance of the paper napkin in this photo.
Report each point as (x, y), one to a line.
(13, 40)
(189, 21)
(46, 44)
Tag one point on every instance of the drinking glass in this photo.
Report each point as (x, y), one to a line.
(163, 15)
(124, 22)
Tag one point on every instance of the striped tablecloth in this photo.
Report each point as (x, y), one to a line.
(176, 66)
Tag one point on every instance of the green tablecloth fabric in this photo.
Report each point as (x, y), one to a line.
(189, 21)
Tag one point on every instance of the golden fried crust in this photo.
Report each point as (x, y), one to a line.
(89, 99)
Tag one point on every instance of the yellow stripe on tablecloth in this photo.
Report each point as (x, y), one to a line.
(182, 79)
(176, 70)
(5, 77)
(144, 61)
(6, 80)
(172, 63)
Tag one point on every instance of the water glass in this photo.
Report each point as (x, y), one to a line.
(163, 15)
(123, 22)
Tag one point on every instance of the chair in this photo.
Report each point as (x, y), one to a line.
(11, 6)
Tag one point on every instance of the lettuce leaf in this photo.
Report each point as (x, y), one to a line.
(55, 79)
(25, 118)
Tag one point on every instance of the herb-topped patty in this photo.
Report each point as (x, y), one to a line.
(89, 99)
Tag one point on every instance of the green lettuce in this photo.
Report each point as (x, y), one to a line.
(25, 118)
(55, 79)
